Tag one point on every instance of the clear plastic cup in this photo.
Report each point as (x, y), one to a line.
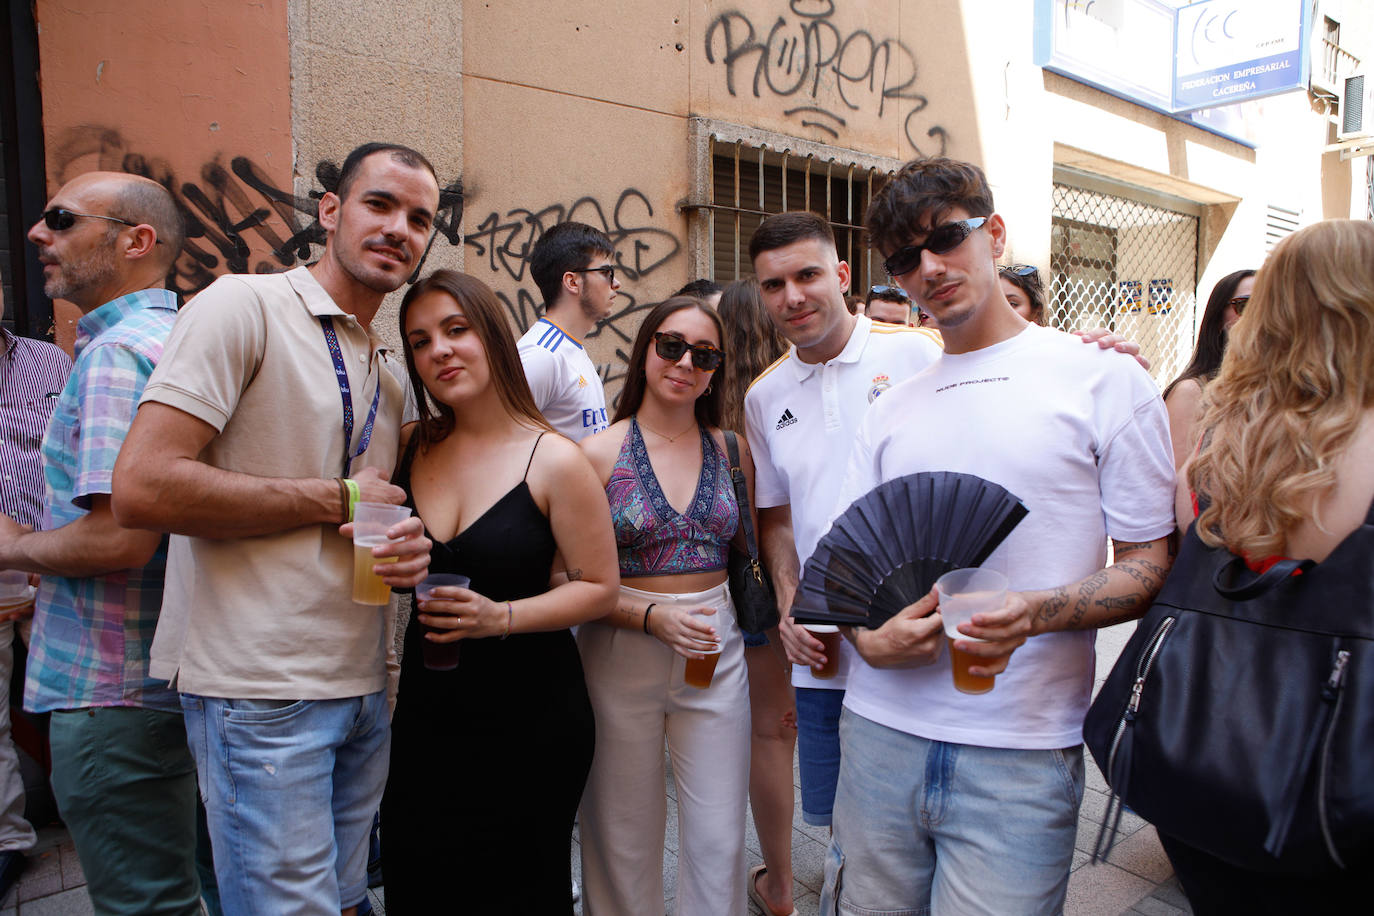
(440, 656)
(370, 524)
(963, 593)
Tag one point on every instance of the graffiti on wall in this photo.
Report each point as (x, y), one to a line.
(820, 71)
(503, 242)
(238, 219)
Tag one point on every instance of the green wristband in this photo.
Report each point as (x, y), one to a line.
(353, 495)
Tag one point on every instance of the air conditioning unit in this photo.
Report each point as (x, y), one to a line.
(1357, 107)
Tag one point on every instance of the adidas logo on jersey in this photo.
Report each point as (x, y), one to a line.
(786, 419)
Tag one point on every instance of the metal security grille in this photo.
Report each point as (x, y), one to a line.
(1126, 265)
(751, 182)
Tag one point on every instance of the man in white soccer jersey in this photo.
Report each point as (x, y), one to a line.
(571, 265)
(801, 415)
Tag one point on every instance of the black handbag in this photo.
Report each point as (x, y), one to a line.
(1239, 719)
(756, 604)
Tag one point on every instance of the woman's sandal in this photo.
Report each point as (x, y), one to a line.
(754, 894)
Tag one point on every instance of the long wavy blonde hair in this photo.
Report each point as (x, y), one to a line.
(1298, 372)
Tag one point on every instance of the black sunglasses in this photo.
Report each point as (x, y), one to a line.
(60, 219)
(941, 239)
(1239, 303)
(1020, 270)
(670, 346)
(606, 269)
(888, 291)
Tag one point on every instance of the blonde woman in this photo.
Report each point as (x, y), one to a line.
(1284, 470)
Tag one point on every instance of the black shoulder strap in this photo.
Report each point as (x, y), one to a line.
(746, 520)
(530, 463)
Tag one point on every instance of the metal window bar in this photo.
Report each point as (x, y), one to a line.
(751, 182)
(1128, 266)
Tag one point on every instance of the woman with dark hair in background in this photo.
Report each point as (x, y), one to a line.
(754, 344)
(1024, 290)
(488, 759)
(1284, 471)
(1183, 397)
(663, 464)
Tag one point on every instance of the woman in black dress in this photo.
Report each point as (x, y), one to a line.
(488, 760)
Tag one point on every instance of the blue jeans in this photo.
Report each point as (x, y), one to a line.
(927, 827)
(290, 789)
(818, 751)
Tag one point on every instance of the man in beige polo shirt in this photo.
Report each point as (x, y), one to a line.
(271, 390)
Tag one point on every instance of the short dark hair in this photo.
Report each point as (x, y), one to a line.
(708, 407)
(701, 287)
(887, 294)
(783, 229)
(402, 154)
(921, 192)
(565, 247)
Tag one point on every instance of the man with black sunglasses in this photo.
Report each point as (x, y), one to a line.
(572, 264)
(122, 773)
(976, 807)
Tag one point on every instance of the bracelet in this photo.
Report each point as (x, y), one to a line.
(353, 495)
(343, 499)
(646, 619)
(510, 618)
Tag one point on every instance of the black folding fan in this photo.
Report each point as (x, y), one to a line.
(887, 549)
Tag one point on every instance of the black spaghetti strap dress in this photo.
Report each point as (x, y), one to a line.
(488, 760)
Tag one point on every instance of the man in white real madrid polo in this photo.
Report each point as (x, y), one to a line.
(571, 265)
(802, 414)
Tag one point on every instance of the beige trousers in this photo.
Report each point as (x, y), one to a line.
(637, 690)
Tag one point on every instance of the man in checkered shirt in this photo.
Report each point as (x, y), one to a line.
(122, 773)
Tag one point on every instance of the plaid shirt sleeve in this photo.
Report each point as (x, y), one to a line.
(110, 386)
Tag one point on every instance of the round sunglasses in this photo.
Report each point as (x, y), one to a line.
(942, 239)
(1239, 303)
(670, 346)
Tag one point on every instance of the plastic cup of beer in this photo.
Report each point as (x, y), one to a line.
(370, 524)
(699, 671)
(963, 593)
(830, 637)
(440, 656)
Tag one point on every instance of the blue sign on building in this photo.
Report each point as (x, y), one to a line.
(1230, 51)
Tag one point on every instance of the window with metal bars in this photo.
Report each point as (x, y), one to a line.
(748, 180)
(1129, 266)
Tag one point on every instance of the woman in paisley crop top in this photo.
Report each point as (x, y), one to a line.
(674, 511)
(488, 759)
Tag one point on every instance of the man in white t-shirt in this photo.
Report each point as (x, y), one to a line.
(953, 803)
(801, 415)
(571, 265)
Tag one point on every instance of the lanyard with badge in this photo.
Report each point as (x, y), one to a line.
(345, 392)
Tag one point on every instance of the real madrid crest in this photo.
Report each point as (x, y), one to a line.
(880, 384)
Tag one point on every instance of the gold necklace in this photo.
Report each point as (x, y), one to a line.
(671, 439)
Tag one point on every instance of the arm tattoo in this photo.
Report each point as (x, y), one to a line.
(574, 575)
(1056, 602)
(1086, 591)
(1121, 548)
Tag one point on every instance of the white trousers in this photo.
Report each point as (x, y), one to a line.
(640, 699)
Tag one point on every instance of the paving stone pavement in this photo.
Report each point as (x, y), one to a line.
(1136, 880)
